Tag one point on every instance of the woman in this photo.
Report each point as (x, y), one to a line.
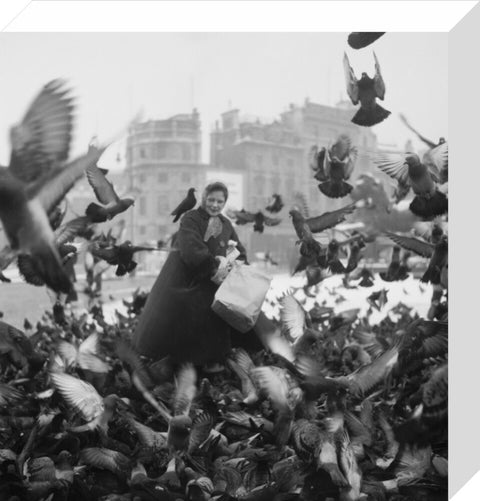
(177, 319)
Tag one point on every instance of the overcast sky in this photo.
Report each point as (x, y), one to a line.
(115, 75)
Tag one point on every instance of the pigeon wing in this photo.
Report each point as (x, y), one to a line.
(428, 142)
(201, 428)
(421, 248)
(351, 81)
(394, 165)
(378, 83)
(275, 387)
(52, 190)
(369, 376)
(436, 160)
(82, 396)
(186, 379)
(329, 219)
(67, 232)
(102, 187)
(42, 140)
(292, 315)
(106, 459)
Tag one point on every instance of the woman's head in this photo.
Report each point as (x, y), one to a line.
(214, 197)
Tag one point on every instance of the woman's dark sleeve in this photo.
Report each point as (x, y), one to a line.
(193, 250)
(240, 247)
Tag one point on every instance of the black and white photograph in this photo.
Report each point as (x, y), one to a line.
(224, 266)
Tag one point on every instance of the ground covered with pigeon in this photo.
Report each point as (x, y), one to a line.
(342, 410)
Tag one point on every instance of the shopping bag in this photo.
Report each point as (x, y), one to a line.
(240, 297)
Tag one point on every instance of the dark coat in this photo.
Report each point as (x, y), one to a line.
(177, 319)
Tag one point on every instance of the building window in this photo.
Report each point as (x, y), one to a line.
(176, 151)
(143, 153)
(161, 151)
(276, 182)
(259, 160)
(142, 206)
(275, 160)
(290, 163)
(186, 178)
(290, 185)
(162, 205)
(163, 177)
(141, 230)
(186, 152)
(142, 179)
(259, 185)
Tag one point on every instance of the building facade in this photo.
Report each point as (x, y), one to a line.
(163, 160)
(274, 158)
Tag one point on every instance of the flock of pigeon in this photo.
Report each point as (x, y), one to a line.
(333, 408)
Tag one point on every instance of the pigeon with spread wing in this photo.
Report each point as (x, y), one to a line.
(431, 144)
(119, 255)
(339, 161)
(259, 219)
(423, 176)
(365, 91)
(37, 179)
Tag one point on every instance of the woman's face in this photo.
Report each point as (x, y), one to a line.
(214, 203)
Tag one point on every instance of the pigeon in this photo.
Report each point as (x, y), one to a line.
(378, 299)
(276, 204)
(365, 91)
(119, 255)
(338, 166)
(305, 227)
(185, 205)
(438, 254)
(63, 235)
(258, 219)
(393, 268)
(423, 176)
(37, 179)
(431, 144)
(106, 195)
(361, 39)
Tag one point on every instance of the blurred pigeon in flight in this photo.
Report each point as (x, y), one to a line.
(365, 91)
(361, 39)
(37, 180)
(258, 219)
(119, 255)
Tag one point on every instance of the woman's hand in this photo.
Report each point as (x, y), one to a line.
(222, 271)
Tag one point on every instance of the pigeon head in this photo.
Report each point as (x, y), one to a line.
(412, 161)
(127, 202)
